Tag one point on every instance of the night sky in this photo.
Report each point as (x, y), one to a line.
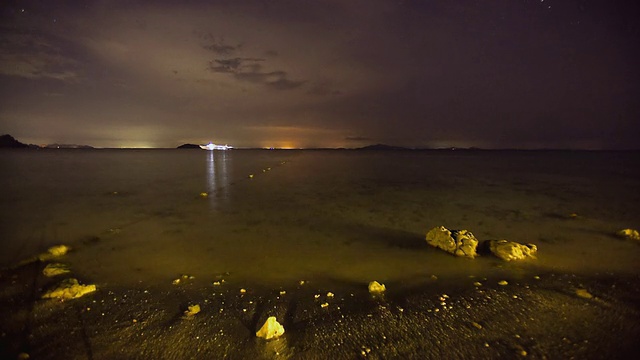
(335, 73)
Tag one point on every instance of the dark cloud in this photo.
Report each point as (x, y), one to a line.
(217, 45)
(273, 79)
(35, 55)
(232, 65)
(416, 73)
(220, 49)
(251, 70)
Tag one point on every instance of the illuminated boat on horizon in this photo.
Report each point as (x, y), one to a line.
(212, 146)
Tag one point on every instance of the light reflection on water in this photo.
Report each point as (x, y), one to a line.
(218, 178)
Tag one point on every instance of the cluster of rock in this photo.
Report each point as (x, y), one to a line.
(457, 242)
(464, 243)
(68, 288)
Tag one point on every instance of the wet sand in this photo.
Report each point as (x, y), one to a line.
(534, 316)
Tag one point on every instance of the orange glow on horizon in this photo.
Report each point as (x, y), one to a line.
(279, 145)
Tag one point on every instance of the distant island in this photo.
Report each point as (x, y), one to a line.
(7, 141)
(383, 147)
(188, 146)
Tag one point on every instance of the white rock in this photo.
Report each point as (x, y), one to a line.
(511, 250)
(192, 310)
(376, 288)
(69, 289)
(271, 329)
(456, 242)
(55, 269)
(54, 252)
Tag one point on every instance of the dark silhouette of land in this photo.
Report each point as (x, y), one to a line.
(7, 141)
(188, 146)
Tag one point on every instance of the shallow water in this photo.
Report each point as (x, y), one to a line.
(137, 216)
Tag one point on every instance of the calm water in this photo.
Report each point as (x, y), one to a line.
(137, 217)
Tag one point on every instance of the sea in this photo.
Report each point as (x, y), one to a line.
(273, 218)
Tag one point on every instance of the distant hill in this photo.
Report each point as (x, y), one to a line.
(382, 147)
(189, 146)
(7, 141)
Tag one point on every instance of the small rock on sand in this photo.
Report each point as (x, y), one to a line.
(376, 288)
(583, 293)
(69, 289)
(271, 329)
(55, 269)
(511, 250)
(630, 234)
(192, 310)
(53, 252)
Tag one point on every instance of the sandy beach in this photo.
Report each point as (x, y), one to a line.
(542, 316)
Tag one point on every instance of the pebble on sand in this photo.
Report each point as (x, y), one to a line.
(182, 278)
(192, 310)
(583, 293)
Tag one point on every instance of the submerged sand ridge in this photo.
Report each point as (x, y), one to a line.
(124, 260)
